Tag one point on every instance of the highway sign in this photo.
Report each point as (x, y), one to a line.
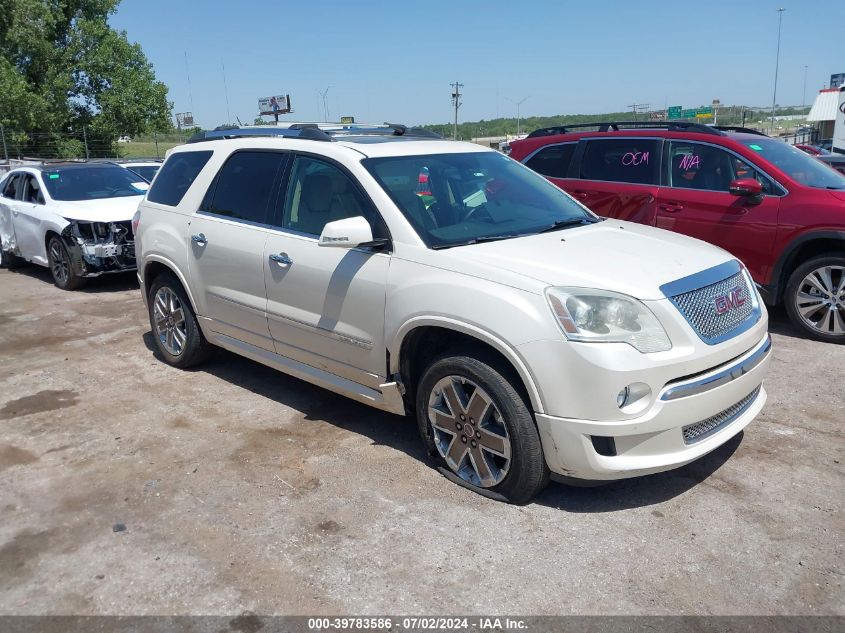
(674, 112)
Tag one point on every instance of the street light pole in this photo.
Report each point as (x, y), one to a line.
(804, 93)
(517, 104)
(777, 62)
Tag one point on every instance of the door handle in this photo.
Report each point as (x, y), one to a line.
(581, 195)
(282, 259)
(671, 207)
(199, 239)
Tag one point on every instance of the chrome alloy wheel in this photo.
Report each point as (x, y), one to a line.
(169, 318)
(820, 300)
(469, 431)
(59, 264)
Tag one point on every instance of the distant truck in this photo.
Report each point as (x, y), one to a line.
(838, 146)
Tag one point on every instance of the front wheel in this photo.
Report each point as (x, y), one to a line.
(61, 267)
(815, 298)
(480, 429)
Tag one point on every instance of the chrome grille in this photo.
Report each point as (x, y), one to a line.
(700, 430)
(700, 309)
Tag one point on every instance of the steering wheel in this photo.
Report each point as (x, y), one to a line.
(473, 210)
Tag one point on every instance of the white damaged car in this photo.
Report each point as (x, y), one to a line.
(74, 218)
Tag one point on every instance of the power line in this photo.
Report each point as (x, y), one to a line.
(638, 107)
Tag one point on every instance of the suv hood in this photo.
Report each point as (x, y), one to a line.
(103, 210)
(612, 255)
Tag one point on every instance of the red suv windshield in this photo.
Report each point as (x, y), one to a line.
(797, 164)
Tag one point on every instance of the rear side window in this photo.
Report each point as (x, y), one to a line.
(243, 187)
(705, 167)
(621, 160)
(11, 188)
(552, 161)
(177, 174)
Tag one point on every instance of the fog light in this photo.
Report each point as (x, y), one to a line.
(622, 397)
(634, 398)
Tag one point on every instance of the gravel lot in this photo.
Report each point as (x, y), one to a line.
(242, 489)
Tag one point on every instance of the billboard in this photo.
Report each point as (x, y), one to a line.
(837, 80)
(277, 104)
(185, 119)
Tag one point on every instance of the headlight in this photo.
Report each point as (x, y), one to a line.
(600, 316)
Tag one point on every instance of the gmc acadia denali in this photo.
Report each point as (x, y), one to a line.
(528, 337)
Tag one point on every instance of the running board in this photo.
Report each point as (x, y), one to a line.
(387, 398)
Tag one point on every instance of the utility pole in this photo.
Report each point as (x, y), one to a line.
(325, 103)
(804, 93)
(456, 101)
(517, 104)
(777, 62)
(226, 93)
(642, 107)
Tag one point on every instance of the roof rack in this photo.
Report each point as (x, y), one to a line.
(314, 131)
(672, 126)
(739, 128)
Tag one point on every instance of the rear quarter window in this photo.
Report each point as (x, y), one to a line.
(553, 160)
(176, 177)
(630, 160)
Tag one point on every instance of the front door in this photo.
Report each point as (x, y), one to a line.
(8, 208)
(30, 212)
(325, 306)
(695, 200)
(226, 241)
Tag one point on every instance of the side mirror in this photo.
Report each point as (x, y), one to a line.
(347, 233)
(746, 187)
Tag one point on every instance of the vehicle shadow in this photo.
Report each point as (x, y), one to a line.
(314, 403)
(640, 491)
(114, 282)
(385, 429)
(779, 323)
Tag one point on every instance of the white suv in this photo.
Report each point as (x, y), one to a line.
(527, 336)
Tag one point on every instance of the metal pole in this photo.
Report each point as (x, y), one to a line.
(155, 136)
(777, 63)
(85, 140)
(804, 93)
(3, 134)
(456, 100)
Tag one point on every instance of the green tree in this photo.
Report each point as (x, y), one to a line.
(63, 67)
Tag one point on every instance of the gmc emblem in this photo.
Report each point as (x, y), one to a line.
(730, 300)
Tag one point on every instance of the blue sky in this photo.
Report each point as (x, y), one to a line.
(394, 61)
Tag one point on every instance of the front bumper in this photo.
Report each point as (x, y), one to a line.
(712, 406)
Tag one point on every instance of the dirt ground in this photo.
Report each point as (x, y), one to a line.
(129, 487)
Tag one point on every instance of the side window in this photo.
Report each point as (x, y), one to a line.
(319, 193)
(176, 176)
(243, 188)
(709, 168)
(621, 160)
(32, 191)
(552, 161)
(11, 188)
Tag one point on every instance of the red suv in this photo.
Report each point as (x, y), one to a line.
(774, 207)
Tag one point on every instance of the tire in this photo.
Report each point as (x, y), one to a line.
(498, 453)
(815, 298)
(174, 325)
(61, 266)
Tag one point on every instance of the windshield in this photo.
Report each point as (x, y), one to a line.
(797, 164)
(92, 182)
(145, 171)
(456, 199)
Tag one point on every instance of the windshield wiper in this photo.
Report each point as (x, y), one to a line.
(480, 240)
(562, 224)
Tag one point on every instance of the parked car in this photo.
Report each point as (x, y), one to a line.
(527, 336)
(813, 150)
(837, 161)
(74, 218)
(778, 210)
(146, 169)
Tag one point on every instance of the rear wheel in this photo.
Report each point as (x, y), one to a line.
(815, 298)
(175, 328)
(480, 429)
(61, 267)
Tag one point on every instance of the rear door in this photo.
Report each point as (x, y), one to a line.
(554, 162)
(695, 200)
(8, 208)
(226, 245)
(618, 177)
(325, 306)
(30, 214)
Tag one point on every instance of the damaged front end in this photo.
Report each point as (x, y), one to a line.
(96, 248)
